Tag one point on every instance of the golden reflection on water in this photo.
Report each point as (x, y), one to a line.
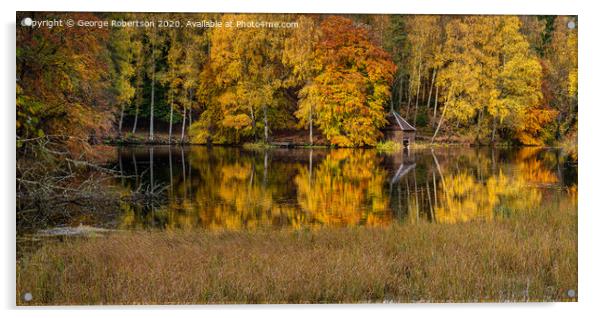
(230, 188)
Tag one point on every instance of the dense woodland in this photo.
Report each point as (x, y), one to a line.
(476, 79)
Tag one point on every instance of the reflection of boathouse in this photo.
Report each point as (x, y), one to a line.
(398, 129)
(401, 163)
(403, 189)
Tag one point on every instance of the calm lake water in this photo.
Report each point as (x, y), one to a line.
(233, 188)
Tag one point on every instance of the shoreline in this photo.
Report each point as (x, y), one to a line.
(286, 145)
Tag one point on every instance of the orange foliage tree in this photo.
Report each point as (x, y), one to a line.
(352, 87)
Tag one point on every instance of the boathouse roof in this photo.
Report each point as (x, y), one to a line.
(394, 118)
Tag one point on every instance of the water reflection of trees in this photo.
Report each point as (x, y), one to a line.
(346, 188)
(230, 188)
(485, 187)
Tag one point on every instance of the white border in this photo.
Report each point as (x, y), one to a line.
(590, 112)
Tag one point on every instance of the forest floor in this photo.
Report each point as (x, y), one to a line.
(529, 257)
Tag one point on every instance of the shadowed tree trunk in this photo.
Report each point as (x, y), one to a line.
(253, 125)
(136, 119)
(400, 92)
(428, 102)
(409, 97)
(121, 119)
(151, 136)
(170, 115)
(493, 130)
(436, 104)
(479, 119)
(417, 92)
(265, 124)
(190, 110)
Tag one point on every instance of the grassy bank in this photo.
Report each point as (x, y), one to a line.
(529, 257)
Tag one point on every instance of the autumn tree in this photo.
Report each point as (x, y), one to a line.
(489, 74)
(300, 55)
(423, 58)
(246, 62)
(123, 51)
(562, 73)
(63, 82)
(353, 86)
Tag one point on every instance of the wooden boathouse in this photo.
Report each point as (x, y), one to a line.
(398, 129)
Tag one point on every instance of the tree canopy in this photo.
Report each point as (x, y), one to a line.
(480, 79)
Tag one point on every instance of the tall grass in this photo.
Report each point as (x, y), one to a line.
(388, 146)
(531, 257)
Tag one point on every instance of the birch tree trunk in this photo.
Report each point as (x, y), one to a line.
(183, 125)
(311, 126)
(121, 119)
(152, 105)
(417, 92)
(493, 131)
(442, 116)
(136, 119)
(428, 102)
(170, 115)
(265, 124)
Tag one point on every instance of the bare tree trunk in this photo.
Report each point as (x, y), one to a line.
(436, 104)
(479, 119)
(442, 116)
(424, 92)
(254, 125)
(409, 97)
(400, 92)
(183, 126)
(170, 115)
(190, 111)
(428, 102)
(121, 119)
(418, 92)
(151, 136)
(136, 119)
(493, 132)
(265, 124)
(311, 125)
(395, 84)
